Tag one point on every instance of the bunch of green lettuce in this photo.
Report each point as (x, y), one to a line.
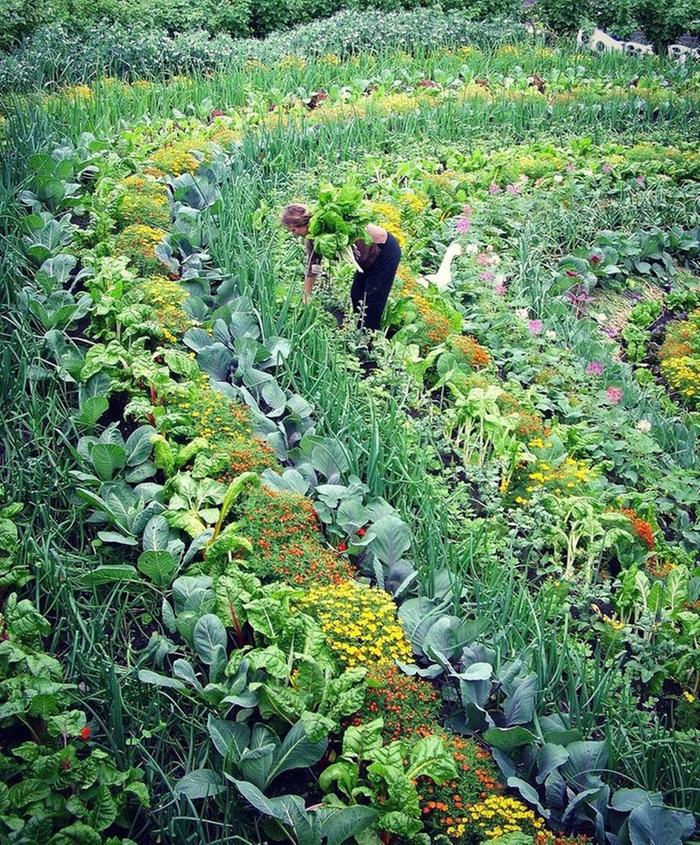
(339, 218)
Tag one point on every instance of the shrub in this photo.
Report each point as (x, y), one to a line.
(484, 10)
(312, 10)
(232, 17)
(19, 18)
(617, 18)
(680, 358)
(167, 298)
(664, 21)
(499, 815)
(468, 351)
(272, 15)
(59, 54)
(175, 159)
(562, 16)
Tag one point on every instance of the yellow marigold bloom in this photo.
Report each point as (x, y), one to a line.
(138, 243)
(292, 62)
(413, 202)
(76, 92)
(389, 217)
(145, 201)
(176, 159)
(167, 298)
(497, 815)
(344, 612)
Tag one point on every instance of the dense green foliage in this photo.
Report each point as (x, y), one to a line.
(455, 601)
(58, 55)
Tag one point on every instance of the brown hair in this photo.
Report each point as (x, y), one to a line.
(295, 215)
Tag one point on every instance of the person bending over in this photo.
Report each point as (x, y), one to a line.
(378, 262)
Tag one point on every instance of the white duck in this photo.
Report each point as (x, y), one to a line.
(443, 278)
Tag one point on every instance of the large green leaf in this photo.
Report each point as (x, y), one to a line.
(549, 758)
(107, 458)
(156, 534)
(160, 567)
(529, 793)
(208, 633)
(139, 445)
(358, 740)
(519, 706)
(201, 783)
(585, 759)
(289, 810)
(296, 752)
(342, 773)
(233, 491)
(338, 824)
(148, 677)
(626, 800)
(506, 739)
(390, 539)
(310, 681)
(230, 738)
(91, 409)
(216, 361)
(104, 809)
(330, 458)
(430, 758)
(659, 826)
(67, 724)
(109, 574)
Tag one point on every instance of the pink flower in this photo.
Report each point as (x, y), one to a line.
(535, 326)
(483, 259)
(513, 189)
(606, 167)
(614, 394)
(500, 289)
(570, 168)
(641, 181)
(595, 368)
(595, 258)
(494, 188)
(467, 211)
(462, 225)
(487, 276)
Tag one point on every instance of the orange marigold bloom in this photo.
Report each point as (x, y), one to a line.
(640, 527)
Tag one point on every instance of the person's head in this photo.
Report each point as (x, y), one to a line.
(296, 219)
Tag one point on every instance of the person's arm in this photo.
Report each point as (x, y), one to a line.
(313, 269)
